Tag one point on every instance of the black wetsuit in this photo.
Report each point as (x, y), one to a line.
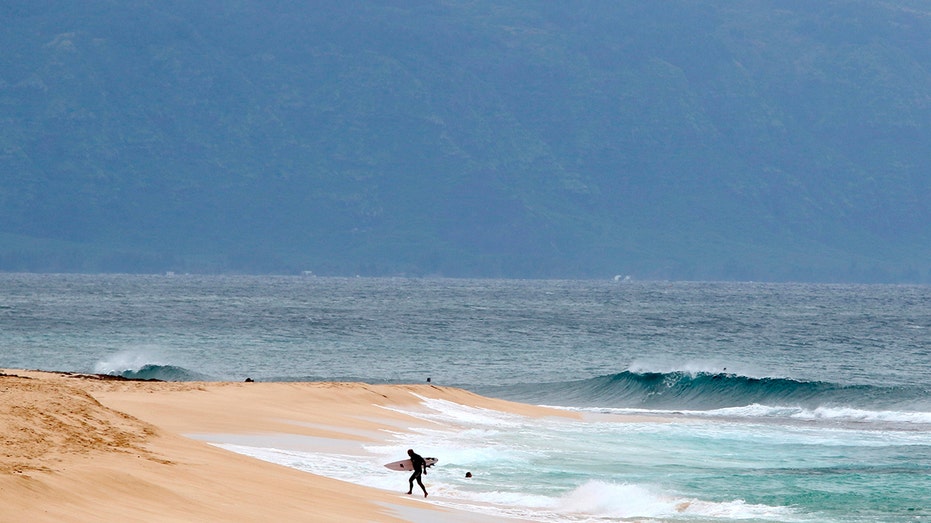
(419, 466)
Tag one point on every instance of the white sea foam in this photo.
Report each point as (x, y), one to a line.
(848, 414)
(845, 414)
(852, 414)
(603, 499)
(129, 360)
(449, 412)
(354, 468)
(528, 468)
(611, 500)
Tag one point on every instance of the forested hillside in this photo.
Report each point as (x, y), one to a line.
(700, 139)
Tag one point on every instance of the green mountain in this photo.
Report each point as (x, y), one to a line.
(700, 139)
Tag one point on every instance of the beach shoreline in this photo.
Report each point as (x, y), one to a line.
(78, 447)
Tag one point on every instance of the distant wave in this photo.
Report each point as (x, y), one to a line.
(680, 390)
(161, 372)
(142, 364)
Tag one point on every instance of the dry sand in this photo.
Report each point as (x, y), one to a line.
(79, 448)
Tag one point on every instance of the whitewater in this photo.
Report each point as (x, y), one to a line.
(698, 401)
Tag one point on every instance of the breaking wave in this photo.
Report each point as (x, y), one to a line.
(704, 391)
(138, 366)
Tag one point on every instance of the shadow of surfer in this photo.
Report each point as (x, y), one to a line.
(420, 468)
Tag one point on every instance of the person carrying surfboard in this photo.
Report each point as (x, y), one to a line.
(420, 467)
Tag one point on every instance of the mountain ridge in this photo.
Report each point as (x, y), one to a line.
(689, 140)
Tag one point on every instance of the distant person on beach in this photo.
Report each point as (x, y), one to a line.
(420, 467)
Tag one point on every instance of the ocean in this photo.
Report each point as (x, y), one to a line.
(745, 402)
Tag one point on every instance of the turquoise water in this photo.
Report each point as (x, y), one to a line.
(653, 469)
(753, 402)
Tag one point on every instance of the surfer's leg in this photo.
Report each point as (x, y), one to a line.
(411, 481)
(420, 482)
(423, 488)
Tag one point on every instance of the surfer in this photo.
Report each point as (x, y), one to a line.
(420, 467)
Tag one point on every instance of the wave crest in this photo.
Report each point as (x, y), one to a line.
(139, 366)
(162, 373)
(680, 390)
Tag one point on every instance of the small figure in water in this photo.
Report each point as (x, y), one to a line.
(420, 467)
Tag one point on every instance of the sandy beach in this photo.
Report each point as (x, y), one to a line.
(77, 447)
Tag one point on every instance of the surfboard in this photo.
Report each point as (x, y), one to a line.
(405, 464)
